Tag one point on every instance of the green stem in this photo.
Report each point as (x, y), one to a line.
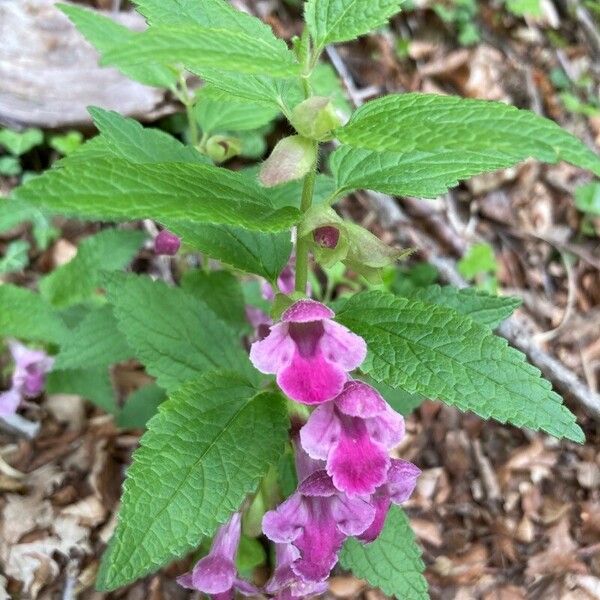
(189, 110)
(302, 245)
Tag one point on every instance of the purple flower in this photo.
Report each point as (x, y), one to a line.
(310, 353)
(401, 481)
(327, 236)
(354, 433)
(28, 377)
(285, 282)
(316, 520)
(216, 573)
(167, 243)
(285, 584)
(260, 321)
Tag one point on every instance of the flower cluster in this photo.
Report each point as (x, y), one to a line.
(347, 479)
(28, 377)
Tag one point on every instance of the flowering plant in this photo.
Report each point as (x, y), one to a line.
(295, 438)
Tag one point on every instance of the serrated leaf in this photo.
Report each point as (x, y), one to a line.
(263, 254)
(26, 315)
(116, 189)
(434, 351)
(486, 309)
(414, 173)
(428, 122)
(206, 449)
(392, 562)
(342, 20)
(95, 342)
(93, 385)
(105, 34)
(140, 407)
(217, 112)
(221, 291)
(16, 257)
(199, 47)
(176, 336)
(76, 281)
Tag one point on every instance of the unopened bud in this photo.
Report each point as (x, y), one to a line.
(291, 159)
(221, 148)
(315, 118)
(167, 243)
(327, 236)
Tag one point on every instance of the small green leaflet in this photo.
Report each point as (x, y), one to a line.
(105, 34)
(16, 257)
(587, 198)
(140, 407)
(486, 309)
(116, 189)
(428, 122)
(95, 342)
(26, 315)
(392, 562)
(207, 447)
(413, 173)
(436, 352)
(342, 20)
(218, 112)
(76, 281)
(93, 385)
(19, 143)
(198, 47)
(263, 254)
(176, 336)
(221, 291)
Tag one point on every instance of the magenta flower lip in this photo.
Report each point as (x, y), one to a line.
(167, 243)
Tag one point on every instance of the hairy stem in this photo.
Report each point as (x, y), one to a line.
(302, 245)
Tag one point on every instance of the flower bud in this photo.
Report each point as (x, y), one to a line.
(166, 243)
(315, 118)
(327, 237)
(221, 148)
(291, 159)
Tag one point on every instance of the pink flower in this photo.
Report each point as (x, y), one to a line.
(310, 353)
(167, 243)
(316, 520)
(28, 378)
(354, 434)
(285, 282)
(216, 573)
(401, 481)
(260, 321)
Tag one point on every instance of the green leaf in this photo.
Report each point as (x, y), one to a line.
(199, 47)
(26, 315)
(140, 407)
(95, 342)
(10, 166)
(217, 112)
(342, 20)
(413, 173)
(221, 291)
(587, 198)
(93, 385)
(207, 448)
(16, 257)
(175, 335)
(392, 562)
(428, 122)
(479, 259)
(67, 143)
(251, 554)
(436, 352)
(263, 254)
(18, 143)
(105, 34)
(324, 81)
(400, 400)
(486, 309)
(77, 281)
(522, 8)
(115, 189)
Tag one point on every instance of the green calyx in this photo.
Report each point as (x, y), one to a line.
(222, 147)
(315, 118)
(292, 158)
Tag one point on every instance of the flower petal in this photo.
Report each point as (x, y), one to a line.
(387, 428)
(9, 402)
(213, 575)
(305, 311)
(402, 479)
(285, 523)
(356, 464)
(274, 352)
(185, 581)
(360, 400)
(343, 347)
(311, 380)
(352, 515)
(321, 431)
(317, 484)
(381, 504)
